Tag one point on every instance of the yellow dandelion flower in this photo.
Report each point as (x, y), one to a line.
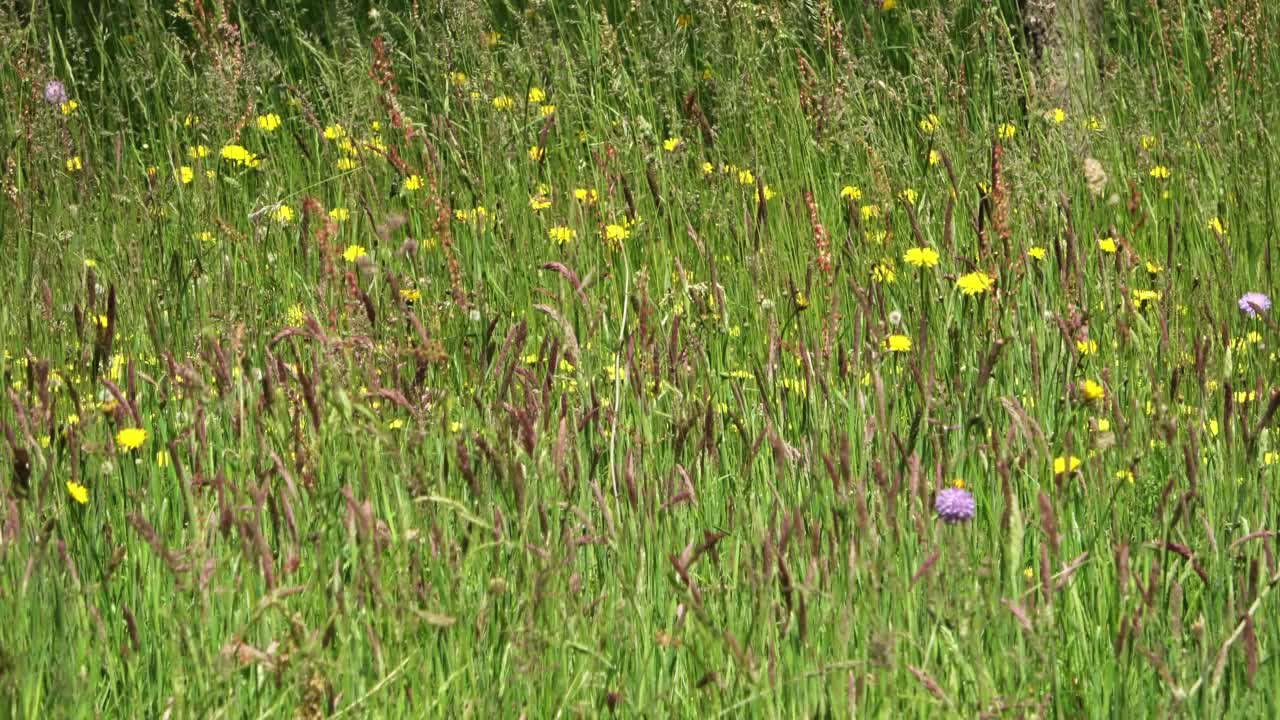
(74, 164)
(851, 192)
(975, 283)
(1006, 131)
(131, 438)
(78, 492)
(410, 295)
(1092, 391)
(186, 175)
(929, 124)
(746, 178)
(1065, 464)
(268, 122)
(671, 143)
(537, 152)
(334, 132)
(503, 103)
(1037, 253)
(412, 183)
(1160, 172)
(921, 257)
(562, 235)
(1107, 245)
(354, 253)
(283, 214)
(340, 214)
(195, 152)
(586, 196)
(897, 343)
(536, 95)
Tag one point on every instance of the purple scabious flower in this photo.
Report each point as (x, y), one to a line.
(55, 93)
(955, 505)
(1254, 303)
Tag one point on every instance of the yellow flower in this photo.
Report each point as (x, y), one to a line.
(1095, 124)
(547, 110)
(921, 257)
(769, 194)
(353, 253)
(1087, 347)
(671, 143)
(410, 295)
(334, 132)
(1065, 464)
(887, 5)
(975, 283)
(930, 123)
(458, 78)
(851, 192)
(586, 196)
(537, 152)
(1154, 268)
(908, 196)
(1213, 427)
(869, 211)
(1142, 297)
(340, 214)
(1147, 141)
(539, 202)
(746, 178)
(1092, 391)
(283, 214)
(897, 343)
(536, 95)
(492, 38)
(1271, 458)
(295, 316)
(131, 438)
(395, 424)
(1104, 425)
(1006, 131)
(413, 182)
(69, 107)
(707, 168)
(1057, 115)
(268, 122)
(1125, 475)
(562, 235)
(503, 103)
(196, 152)
(1107, 245)
(1160, 172)
(935, 157)
(240, 156)
(1037, 253)
(78, 492)
(615, 234)
(186, 175)
(203, 236)
(347, 163)
(190, 120)
(1217, 227)
(74, 164)
(162, 458)
(883, 273)
(455, 427)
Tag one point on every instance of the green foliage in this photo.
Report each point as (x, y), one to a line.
(535, 358)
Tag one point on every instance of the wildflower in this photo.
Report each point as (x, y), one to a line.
(1103, 424)
(586, 196)
(78, 492)
(55, 93)
(975, 283)
(897, 343)
(908, 196)
(671, 144)
(684, 21)
(1217, 227)
(1057, 116)
(74, 164)
(347, 163)
(536, 95)
(295, 316)
(1125, 475)
(1143, 297)
(1036, 252)
(883, 273)
(458, 78)
(502, 103)
(1160, 172)
(1271, 458)
(131, 438)
(1095, 124)
(537, 152)
(1092, 391)
(539, 202)
(562, 235)
(615, 234)
(240, 156)
(955, 505)
(412, 183)
(203, 236)
(1154, 268)
(921, 257)
(1063, 465)
(1087, 347)
(283, 214)
(410, 295)
(268, 122)
(746, 178)
(186, 175)
(769, 194)
(69, 107)
(887, 5)
(334, 132)
(195, 152)
(1006, 131)
(851, 192)
(869, 211)
(707, 168)
(1147, 142)
(547, 110)
(492, 38)
(935, 157)
(929, 124)
(1107, 245)
(1254, 303)
(354, 253)
(191, 120)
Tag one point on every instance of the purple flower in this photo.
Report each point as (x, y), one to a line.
(55, 93)
(955, 505)
(1254, 303)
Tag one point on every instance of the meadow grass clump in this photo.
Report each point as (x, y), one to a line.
(637, 359)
